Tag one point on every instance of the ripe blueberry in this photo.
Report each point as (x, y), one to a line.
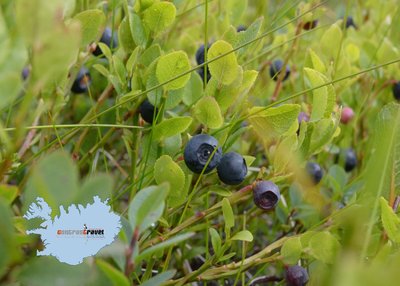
(147, 110)
(198, 151)
(241, 28)
(347, 115)
(310, 25)
(266, 195)
(315, 172)
(200, 71)
(25, 73)
(350, 160)
(296, 276)
(232, 169)
(200, 60)
(200, 54)
(82, 81)
(396, 90)
(108, 39)
(350, 22)
(276, 68)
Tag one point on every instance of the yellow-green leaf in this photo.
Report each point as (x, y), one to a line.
(159, 16)
(390, 221)
(172, 126)
(172, 65)
(207, 111)
(91, 22)
(166, 170)
(324, 97)
(224, 69)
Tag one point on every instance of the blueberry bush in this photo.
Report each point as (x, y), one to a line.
(241, 142)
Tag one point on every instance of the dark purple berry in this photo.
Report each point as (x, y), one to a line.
(350, 22)
(296, 276)
(25, 73)
(315, 172)
(198, 152)
(241, 28)
(232, 169)
(266, 195)
(396, 90)
(350, 160)
(107, 38)
(82, 81)
(276, 68)
(147, 110)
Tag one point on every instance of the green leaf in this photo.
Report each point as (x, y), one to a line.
(98, 185)
(291, 250)
(246, 36)
(314, 62)
(331, 41)
(8, 193)
(147, 206)
(249, 78)
(6, 236)
(229, 218)
(224, 69)
(125, 36)
(172, 126)
(160, 278)
(215, 240)
(243, 235)
(147, 253)
(274, 122)
(324, 246)
(91, 22)
(285, 153)
(159, 16)
(166, 170)
(324, 98)
(45, 181)
(117, 277)
(226, 95)
(47, 270)
(193, 90)
(390, 221)
(138, 31)
(207, 111)
(149, 55)
(171, 65)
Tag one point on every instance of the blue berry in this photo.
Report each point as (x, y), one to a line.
(315, 171)
(147, 110)
(276, 68)
(396, 90)
(350, 160)
(241, 28)
(107, 38)
(200, 60)
(296, 276)
(232, 169)
(198, 151)
(266, 195)
(350, 22)
(82, 81)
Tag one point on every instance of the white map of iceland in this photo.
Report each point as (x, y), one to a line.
(76, 234)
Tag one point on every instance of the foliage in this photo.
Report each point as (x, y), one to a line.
(180, 227)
